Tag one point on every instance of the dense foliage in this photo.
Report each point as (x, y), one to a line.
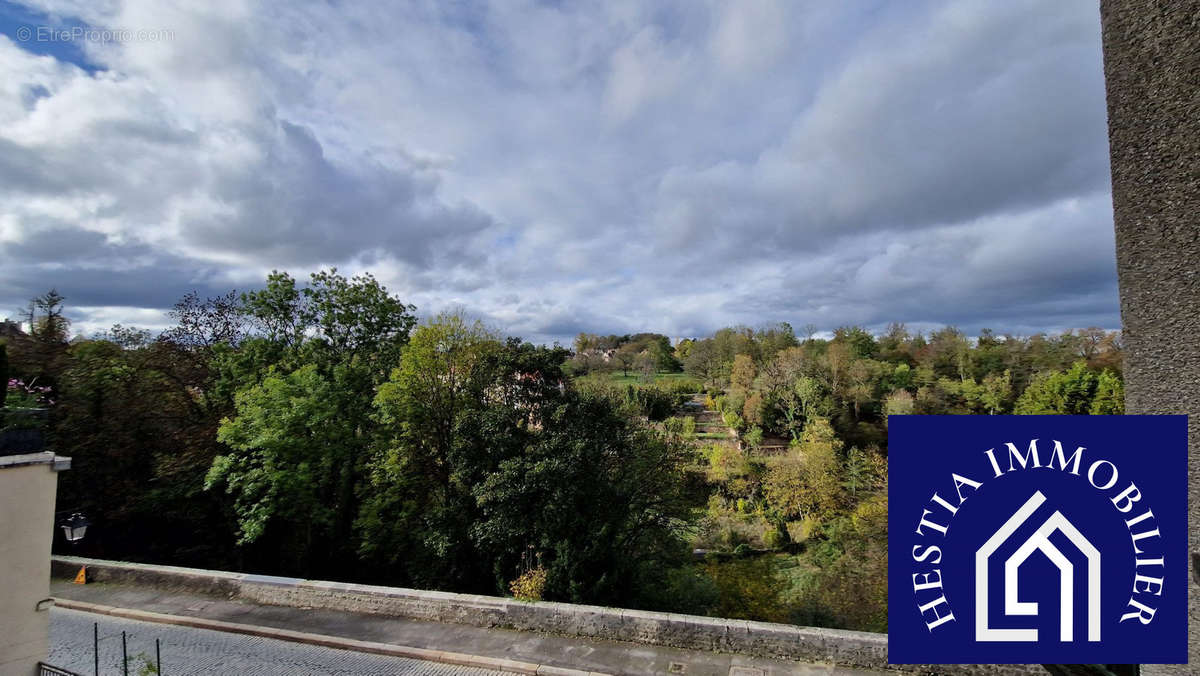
(807, 473)
(320, 430)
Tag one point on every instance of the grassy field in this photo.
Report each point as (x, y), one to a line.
(636, 378)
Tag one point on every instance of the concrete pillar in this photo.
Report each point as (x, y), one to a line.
(1152, 70)
(28, 484)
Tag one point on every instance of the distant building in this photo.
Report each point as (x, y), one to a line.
(10, 329)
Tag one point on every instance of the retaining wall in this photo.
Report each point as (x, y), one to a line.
(759, 639)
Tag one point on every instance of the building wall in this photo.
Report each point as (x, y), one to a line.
(28, 484)
(1152, 70)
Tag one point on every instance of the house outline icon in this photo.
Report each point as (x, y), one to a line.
(1039, 541)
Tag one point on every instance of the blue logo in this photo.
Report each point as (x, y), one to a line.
(1037, 539)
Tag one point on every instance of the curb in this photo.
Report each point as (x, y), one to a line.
(388, 649)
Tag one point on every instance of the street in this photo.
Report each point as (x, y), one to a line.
(189, 652)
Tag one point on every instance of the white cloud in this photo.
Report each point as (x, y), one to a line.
(619, 166)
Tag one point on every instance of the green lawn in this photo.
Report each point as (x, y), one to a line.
(635, 378)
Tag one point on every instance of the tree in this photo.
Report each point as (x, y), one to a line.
(852, 582)
(486, 462)
(899, 402)
(141, 438)
(742, 375)
(200, 325)
(901, 377)
(862, 344)
(996, 392)
(808, 482)
(663, 356)
(773, 339)
(861, 376)
(38, 357)
(434, 430)
(303, 423)
(599, 498)
(626, 356)
(288, 447)
(1109, 398)
(46, 321)
(704, 362)
(837, 363)
(683, 349)
(800, 403)
(1056, 392)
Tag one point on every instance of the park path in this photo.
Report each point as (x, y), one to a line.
(707, 421)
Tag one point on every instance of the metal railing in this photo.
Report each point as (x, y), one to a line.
(51, 670)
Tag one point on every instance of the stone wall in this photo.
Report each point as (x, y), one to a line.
(1152, 70)
(759, 639)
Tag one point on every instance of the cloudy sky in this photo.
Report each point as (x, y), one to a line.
(556, 167)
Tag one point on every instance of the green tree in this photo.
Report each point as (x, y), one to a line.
(704, 362)
(899, 402)
(800, 402)
(1110, 395)
(742, 375)
(808, 481)
(1056, 392)
(303, 422)
(996, 392)
(487, 463)
(289, 451)
(419, 505)
(141, 436)
(626, 356)
(597, 496)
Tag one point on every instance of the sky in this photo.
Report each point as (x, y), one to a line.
(558, 167)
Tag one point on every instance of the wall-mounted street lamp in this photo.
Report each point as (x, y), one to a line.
(74, 527)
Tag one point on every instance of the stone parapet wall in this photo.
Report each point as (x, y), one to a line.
(758, 639)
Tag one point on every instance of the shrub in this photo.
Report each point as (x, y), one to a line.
(530, 585)
(752, 409)
(754, 437)
(734, 402)
(749, 589)
(796, 531)
(686, 589)
(678, 386)
(733, 420)
(742, 551)
(673, 425)
(689, 426)
(775, 536)
(651, 402)
(3, 373)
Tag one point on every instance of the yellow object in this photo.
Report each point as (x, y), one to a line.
(81, 578)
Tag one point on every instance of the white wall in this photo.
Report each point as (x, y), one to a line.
(27, 489)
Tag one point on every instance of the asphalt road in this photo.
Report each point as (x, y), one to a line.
(188, 652)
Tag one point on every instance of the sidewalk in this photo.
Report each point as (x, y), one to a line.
(574, 653)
